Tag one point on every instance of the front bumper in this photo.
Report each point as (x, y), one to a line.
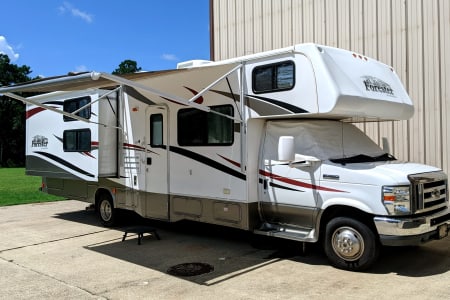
(414, 230)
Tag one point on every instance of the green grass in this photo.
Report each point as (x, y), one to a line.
(18, 188)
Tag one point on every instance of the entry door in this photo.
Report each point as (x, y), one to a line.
(156, 163)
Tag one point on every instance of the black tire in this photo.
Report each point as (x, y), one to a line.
(350, 244)
(106, 210)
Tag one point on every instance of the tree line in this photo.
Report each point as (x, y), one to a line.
(12, 112)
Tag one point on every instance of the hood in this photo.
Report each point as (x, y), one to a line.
(377, 173)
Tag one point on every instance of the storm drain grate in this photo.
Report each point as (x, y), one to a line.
(190, 269)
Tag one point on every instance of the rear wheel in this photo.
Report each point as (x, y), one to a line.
(106, 210)
(350, 244)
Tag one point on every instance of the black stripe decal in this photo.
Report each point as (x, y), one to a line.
(284, 187)
(284, 105)
(64, 163)
(54, 103)
(207, 161)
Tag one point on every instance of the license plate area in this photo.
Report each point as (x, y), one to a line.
(442, 231)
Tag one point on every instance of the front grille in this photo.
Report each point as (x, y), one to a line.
(429, 191)
(440, 219)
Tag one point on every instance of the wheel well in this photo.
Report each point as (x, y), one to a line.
(345, 211)
(102, 192)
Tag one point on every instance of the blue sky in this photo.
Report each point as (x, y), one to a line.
(54, 37)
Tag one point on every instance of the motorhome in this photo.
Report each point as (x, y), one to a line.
(265, 143)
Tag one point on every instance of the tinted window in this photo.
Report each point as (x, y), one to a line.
(199, 128)
(74, 104)
(273, 77)
(156, 130)
(78, 140)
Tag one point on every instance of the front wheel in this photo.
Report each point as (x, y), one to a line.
(106, 210)
(350, 244)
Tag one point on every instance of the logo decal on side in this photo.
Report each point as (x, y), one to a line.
(377, 85)
(39, 141)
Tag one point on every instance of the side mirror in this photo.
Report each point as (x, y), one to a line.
(286, 148)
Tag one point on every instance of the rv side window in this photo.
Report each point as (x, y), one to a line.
(199, 128)
(74, 104)
(78, 140)
(156, 130)
(273, 77)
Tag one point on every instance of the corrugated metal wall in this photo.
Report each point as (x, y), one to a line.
(413, 36)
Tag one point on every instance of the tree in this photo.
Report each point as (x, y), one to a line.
(127, 66)
(12, 115)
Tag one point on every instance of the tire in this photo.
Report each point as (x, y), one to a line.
(350, 244)
(106, 210)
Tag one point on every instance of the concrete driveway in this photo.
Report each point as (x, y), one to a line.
(60, 250)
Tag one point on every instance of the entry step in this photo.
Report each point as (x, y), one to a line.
(284, 232)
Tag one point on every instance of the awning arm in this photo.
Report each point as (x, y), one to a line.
(149, 89)
(190, 102)
(99, 98)
(214, 83)
(54, 83)
(29, 101)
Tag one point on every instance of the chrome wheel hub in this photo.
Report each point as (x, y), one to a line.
(105, 210)
(348, 243)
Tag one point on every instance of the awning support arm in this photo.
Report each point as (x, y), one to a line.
(214, 83)
(167, 96)
(99, 98)
(149, 89)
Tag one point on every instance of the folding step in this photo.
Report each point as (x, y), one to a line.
(285, 232)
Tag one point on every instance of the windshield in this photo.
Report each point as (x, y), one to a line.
(326, 140)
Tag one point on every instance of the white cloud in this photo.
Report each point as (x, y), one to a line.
(5, 48)
(81, 68)
(67, 7)
(170, 57)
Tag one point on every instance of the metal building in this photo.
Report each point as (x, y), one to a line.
(413, 36)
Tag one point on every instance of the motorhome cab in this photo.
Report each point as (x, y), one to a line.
(264, 143)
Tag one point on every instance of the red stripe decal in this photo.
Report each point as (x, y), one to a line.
(231, 161)
(88, 154)
(287, 180)
(33, 111)
(136, 147)
(298, 183)
(199, 100)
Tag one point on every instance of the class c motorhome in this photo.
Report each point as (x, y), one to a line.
(264, 143)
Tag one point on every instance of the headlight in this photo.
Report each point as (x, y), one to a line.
(396, 199)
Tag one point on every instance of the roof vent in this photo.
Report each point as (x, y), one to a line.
(192, 63)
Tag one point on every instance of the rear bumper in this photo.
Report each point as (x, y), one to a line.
(413, 231)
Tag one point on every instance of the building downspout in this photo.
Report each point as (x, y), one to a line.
(211, 30)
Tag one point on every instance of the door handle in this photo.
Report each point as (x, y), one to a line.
(263, 182)
(149, 160)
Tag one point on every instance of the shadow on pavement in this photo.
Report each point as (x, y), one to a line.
(88, 217)
(418, 261)
(232, 252)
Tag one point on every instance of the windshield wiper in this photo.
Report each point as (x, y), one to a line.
(363, 158)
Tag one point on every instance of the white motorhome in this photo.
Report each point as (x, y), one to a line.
(263, 143)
